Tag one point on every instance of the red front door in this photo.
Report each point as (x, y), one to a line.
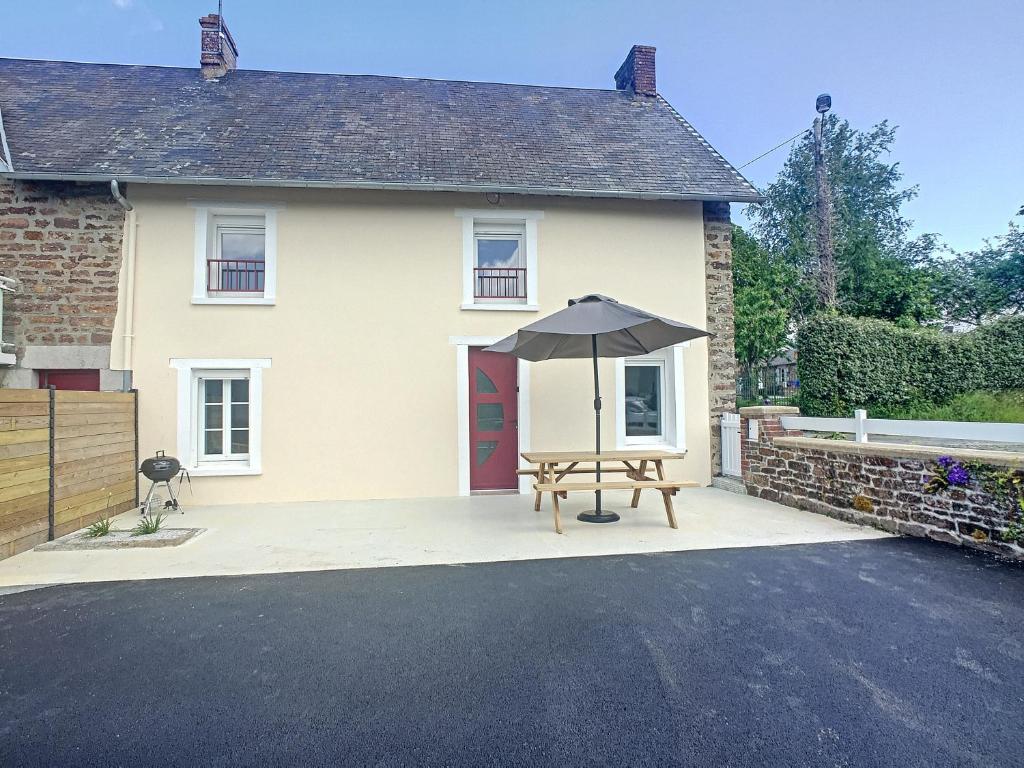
(493, 421)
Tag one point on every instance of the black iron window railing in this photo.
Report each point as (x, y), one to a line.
(499, 282)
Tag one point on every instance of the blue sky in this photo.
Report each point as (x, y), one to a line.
(744, 72)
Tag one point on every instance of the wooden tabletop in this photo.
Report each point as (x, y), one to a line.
(567, 457)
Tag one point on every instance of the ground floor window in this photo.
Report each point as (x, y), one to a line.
(220, 415)
(649, 400)
(223, 430)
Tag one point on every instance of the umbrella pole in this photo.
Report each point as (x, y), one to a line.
(597, 516)
(597, 421)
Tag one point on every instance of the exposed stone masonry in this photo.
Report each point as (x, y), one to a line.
(62, 243)
(721, 350)
(878, 485)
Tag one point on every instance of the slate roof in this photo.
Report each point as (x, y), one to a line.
(71, 120)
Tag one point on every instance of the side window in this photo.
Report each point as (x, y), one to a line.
(649, 400)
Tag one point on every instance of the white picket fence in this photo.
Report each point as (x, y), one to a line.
(860, 426)
(731, 445)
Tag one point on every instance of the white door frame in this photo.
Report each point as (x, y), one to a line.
(462, 345)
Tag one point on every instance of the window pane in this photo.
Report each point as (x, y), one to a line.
(484, 385)
(490, 417)
(242, 246)
(239, 390)
(214, 389)
(239, 415)
(498, 251)
(214, 442)
(643, 400)
(484, 450)
(214, 416)
(239, 440)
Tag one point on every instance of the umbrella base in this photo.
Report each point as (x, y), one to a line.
(597, 517)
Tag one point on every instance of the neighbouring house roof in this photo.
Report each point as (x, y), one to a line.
(786, 357)
(141, 123)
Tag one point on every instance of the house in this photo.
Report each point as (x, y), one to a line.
(298, 272)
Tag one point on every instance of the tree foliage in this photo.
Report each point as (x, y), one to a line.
(883, 272)
(764, 287)
(982, 285)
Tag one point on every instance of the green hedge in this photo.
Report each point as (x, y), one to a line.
(846, 363)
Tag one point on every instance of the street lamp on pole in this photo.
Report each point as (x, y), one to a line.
(827, 281)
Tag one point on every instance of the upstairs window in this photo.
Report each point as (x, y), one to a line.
(499, 268)
(499, 258)
(235, 258)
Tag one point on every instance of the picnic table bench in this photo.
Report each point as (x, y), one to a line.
(553, 466)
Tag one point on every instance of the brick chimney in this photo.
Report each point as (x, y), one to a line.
(637, 71)
(218, 53)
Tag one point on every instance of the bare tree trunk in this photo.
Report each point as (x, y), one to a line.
(827, 291)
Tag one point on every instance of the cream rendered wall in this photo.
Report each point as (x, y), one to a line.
(360, 401)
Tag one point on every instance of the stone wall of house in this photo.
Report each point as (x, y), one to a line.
(62, 242)
(721, 349)
(877, 484)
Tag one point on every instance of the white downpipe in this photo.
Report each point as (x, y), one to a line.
(128, 238)
(131, 228)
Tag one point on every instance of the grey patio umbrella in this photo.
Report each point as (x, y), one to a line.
(596, 326)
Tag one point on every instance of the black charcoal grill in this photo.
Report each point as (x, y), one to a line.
(160, 470)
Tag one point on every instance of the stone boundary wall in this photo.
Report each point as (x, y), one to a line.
(873, 483)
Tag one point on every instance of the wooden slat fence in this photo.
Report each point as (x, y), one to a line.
(67, 459)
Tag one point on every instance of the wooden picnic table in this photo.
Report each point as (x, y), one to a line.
(552, 467)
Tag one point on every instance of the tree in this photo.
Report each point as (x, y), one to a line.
(883, 272)
(763, 288)
(982, 285)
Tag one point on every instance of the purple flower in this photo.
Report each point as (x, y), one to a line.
(946, 462)
(958, 475)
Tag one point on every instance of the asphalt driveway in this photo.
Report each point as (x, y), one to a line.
(885, 652)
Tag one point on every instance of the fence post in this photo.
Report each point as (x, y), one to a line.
(50, 516)
(135, 424)
(860, 428)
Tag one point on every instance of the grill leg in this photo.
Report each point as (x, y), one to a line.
(174, 499)
(144, 507)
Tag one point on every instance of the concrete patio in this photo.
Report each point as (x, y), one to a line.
(316, 536)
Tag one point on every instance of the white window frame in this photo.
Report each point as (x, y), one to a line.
(206, 241)
(203, 458)
(190, 371)
(471, 219)
(673, 436)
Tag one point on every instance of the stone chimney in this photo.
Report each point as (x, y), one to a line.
(637, 71)
(218, 53)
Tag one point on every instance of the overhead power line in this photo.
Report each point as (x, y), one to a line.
(777, 146)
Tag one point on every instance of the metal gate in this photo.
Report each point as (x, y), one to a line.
(731, 445)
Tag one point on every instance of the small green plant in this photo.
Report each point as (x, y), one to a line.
(148, 524)
(99, 528)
